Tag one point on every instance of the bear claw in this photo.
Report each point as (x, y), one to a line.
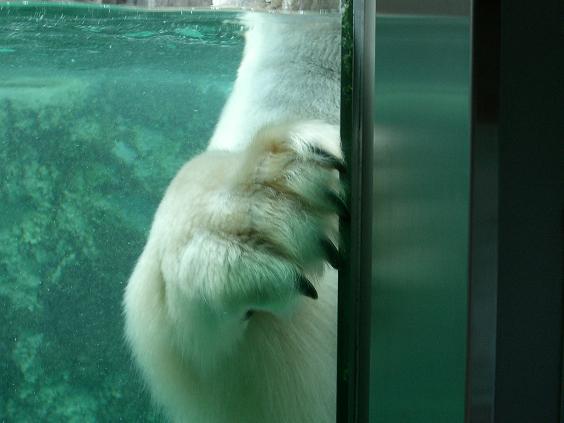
(306, 287)
(331, 253)
(329, 160)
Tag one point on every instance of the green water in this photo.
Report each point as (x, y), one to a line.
(98, 109)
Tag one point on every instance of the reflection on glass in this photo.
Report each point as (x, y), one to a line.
(421, 166)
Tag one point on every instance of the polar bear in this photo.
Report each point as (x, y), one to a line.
(231, 310)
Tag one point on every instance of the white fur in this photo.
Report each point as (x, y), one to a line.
(235, 228)
(290, 71)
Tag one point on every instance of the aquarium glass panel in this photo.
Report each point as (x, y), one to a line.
(100, 106)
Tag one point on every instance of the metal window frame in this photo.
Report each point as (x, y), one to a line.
(355, 277)
(482, 260)
(515, 327)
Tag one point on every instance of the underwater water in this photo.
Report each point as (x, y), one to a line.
(99, 107)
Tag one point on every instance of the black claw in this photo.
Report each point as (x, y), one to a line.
(339, 204)
(329, 159)
(331, 253)
(306, 287)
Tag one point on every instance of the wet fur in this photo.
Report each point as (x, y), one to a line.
(241, 228)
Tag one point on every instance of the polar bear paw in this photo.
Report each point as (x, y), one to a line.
(290, 182)
(250, 231)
